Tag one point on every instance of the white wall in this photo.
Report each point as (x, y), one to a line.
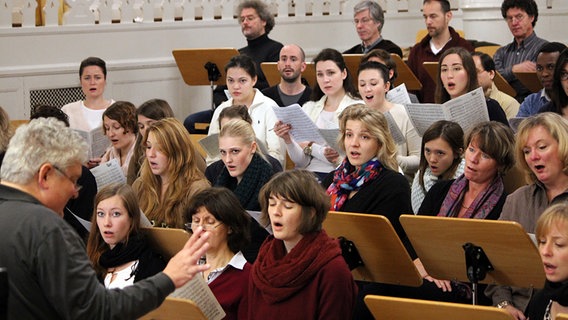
(141, 66)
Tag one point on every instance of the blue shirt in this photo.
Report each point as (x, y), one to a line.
(533, 103)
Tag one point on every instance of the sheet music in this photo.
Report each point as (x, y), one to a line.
(399, 95)
(256, 216)
(96, 140)
(199, 293)
(303, 128)
(396, 134)
(468, 110)
(331, 137)
(108, 173)
(422, 115)
(211, 145)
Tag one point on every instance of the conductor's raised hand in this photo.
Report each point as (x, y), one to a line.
(183, 266)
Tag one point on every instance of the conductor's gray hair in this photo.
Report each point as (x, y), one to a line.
(43, 140)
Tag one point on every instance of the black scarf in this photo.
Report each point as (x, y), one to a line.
(123, 253)
(556, 291)
(255, 176)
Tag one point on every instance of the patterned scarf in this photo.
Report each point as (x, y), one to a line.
(480, 207)
(347, 178)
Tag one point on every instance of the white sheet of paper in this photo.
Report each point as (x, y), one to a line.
(108, 173)
(199, 293)
(396, 134)
(399, 95)
(303, 128)
(467, 110)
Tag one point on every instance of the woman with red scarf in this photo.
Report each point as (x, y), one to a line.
(299, 272)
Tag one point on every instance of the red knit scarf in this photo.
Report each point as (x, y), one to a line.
(279, 275)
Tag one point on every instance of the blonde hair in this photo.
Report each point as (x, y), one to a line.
(174, 141)
(553, 216)
(376, 123)
(556, 126)
(238, 128)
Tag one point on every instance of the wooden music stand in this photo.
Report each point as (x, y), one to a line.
(390, 308)
(432, 69)
(562, 316)
(439, 242)
(405, 75)
(270, 70)
(352, 62)
(166, 241)
(192, 66)
(385, 258)
(503, 85)
(529, 80)
(173, 308)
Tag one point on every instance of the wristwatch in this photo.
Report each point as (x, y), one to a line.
(308, 149)
(503, 304)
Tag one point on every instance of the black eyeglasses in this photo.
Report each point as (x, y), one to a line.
(206, 227)
(77, 186)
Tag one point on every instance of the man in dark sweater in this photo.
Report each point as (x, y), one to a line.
(290, 90)
(256, 22)
(369, 19)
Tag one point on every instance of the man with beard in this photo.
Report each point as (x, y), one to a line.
(440, 37)
(290, 90)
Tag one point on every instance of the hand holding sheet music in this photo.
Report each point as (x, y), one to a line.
(199, 293)
(108, 173)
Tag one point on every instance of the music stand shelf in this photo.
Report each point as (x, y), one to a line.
(385, 258)
(390, 308)
(438, 242)
(529, 80)
(173, 308)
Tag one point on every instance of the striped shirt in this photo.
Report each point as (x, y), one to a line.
(508, 56)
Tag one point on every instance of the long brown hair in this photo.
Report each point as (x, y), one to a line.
(96, 246)
(174, 142)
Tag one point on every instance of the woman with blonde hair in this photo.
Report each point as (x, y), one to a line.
(246, 171)
(118, 251)
(169, 176)
(552, 237)
(541, 150)
(368, 181)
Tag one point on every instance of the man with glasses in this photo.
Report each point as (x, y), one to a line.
(49, 273)
(545, 64)
(485, 67)
(519, 55)
(256, 23)
(369, 20)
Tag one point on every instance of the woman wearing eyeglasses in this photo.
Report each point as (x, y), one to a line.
(559, 102)
(219, 212)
